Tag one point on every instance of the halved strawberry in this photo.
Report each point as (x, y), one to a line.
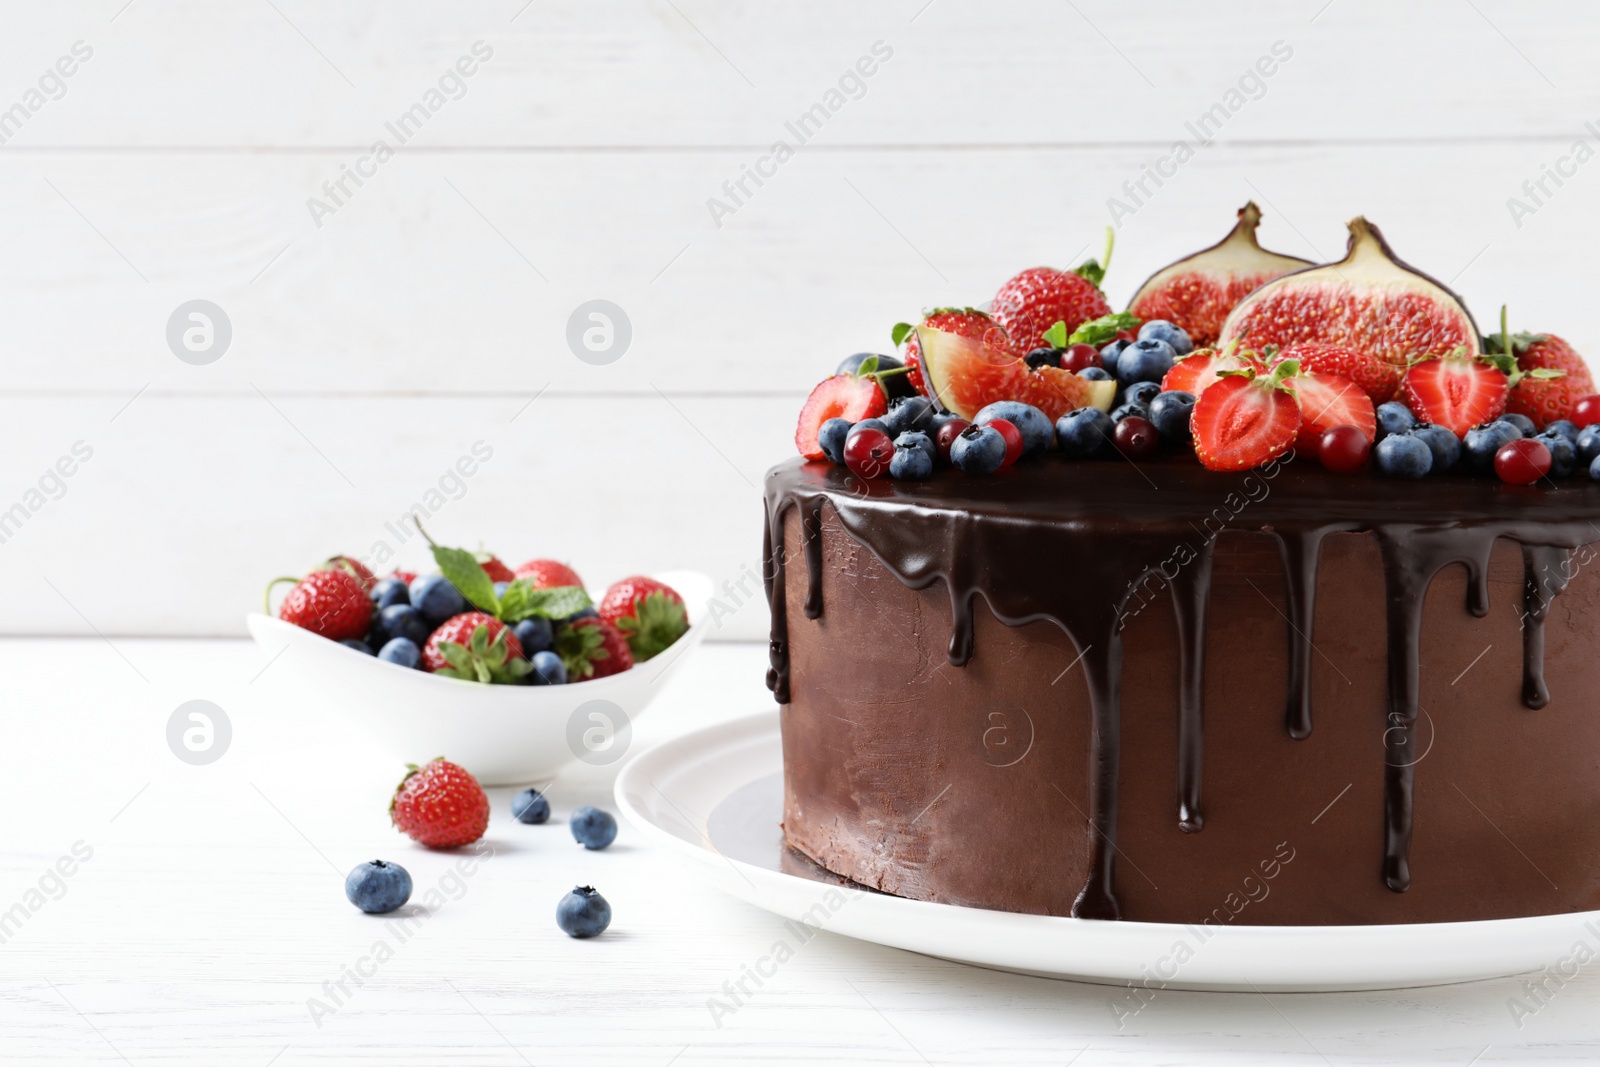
(1326, 401)
(965, 374)
(1376, 377)
(844, 396)
(968, 322)
(1457, 391)
(1246, 419)
(1202, 368)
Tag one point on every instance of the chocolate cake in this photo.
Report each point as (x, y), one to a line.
(1162, 693)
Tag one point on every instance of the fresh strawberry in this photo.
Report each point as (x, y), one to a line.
(648, 613)
(1326, 401)
(1378, 378)
(844, 396)
(964, 322)
(592, 648)
(497, 571)
(331, 603)
(354, 566)
(1549, 377)
(548, 574)
(475, 647)
(1246, 419)
(1038, 298)
(1455, 391)
(440, 805)
(1202, 368)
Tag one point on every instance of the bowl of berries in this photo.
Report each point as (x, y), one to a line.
(514, 673)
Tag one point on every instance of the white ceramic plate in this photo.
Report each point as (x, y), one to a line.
(714, 797)
(503, 734)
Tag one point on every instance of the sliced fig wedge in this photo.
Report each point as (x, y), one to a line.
(1198, 291)
(1370, 300)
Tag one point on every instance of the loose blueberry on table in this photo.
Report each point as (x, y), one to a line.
(583, 913)
(378, 887)
(592, 828)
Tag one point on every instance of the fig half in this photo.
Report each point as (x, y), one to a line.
(1370, 300)
(1198, 291)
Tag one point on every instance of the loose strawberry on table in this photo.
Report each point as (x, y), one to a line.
(440, 805)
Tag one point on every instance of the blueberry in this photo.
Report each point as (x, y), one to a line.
(530, 806)
(1044, 357)
(1482, 442)
(1445, 446)
(1083, 432)
(1169, 412)
(911, 462)
(1034, 425)
(357, 644)
(593, 828)
(1563, 453)
(402, 651)
(978, 450)
(403, 620)
(1111, 353)
(893, 385)
(534, 635)
(390, 591)
(1096, 374)
(1565, 427)
(378, 887)
(936, 423)
(436, 598)
(1523, 424)
(873, 424)
(907, 413)
(1394, 417)
(1145, 361)
(1175, 336)
(583, 913)
(1594, 469)
(830, 438)
(1141, 393)
(547, 670)
(1589, 443)
(1401, 455)
(1129, 411)
(582, 613)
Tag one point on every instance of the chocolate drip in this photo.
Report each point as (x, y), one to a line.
(811, 535)
(1546, 572)
(1300, 550)
(1079, 544)
(1191, 590)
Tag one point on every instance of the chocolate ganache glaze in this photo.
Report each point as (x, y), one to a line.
(1086, 546)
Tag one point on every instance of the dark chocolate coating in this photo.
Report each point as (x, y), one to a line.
(1059, 688)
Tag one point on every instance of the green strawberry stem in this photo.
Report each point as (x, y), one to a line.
(266, 597)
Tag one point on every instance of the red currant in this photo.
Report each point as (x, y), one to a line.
(1013, 438)
(1522, 462)
(867, 453)
(1586, 410)
(947, 436)
(1136, 438)
(1344, 449)
(1080, 356)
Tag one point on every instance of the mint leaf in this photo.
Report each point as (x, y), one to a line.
(462, 570)
(900, 332)
(1103, 330)
(1056, 336)
(523, 601)
(868, 367)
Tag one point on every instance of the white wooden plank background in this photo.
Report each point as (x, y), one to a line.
(177, 160)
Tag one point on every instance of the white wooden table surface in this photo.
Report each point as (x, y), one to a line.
(210, 911)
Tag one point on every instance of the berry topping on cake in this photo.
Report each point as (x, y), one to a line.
(867, 452)
(1038, 298)
(1522, 462)
(1373, 376)
(1369, 300)
(1135, 437)
(1203, 367)
(966, 374)
(1549, 375)
(1402, 455)
(978, 450)
(1197, 292)
(1344, 449)
(844, 396)
(1246, 419)
(1457, 391)
(965, 322)
(1038, 433)
(1326, 401)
